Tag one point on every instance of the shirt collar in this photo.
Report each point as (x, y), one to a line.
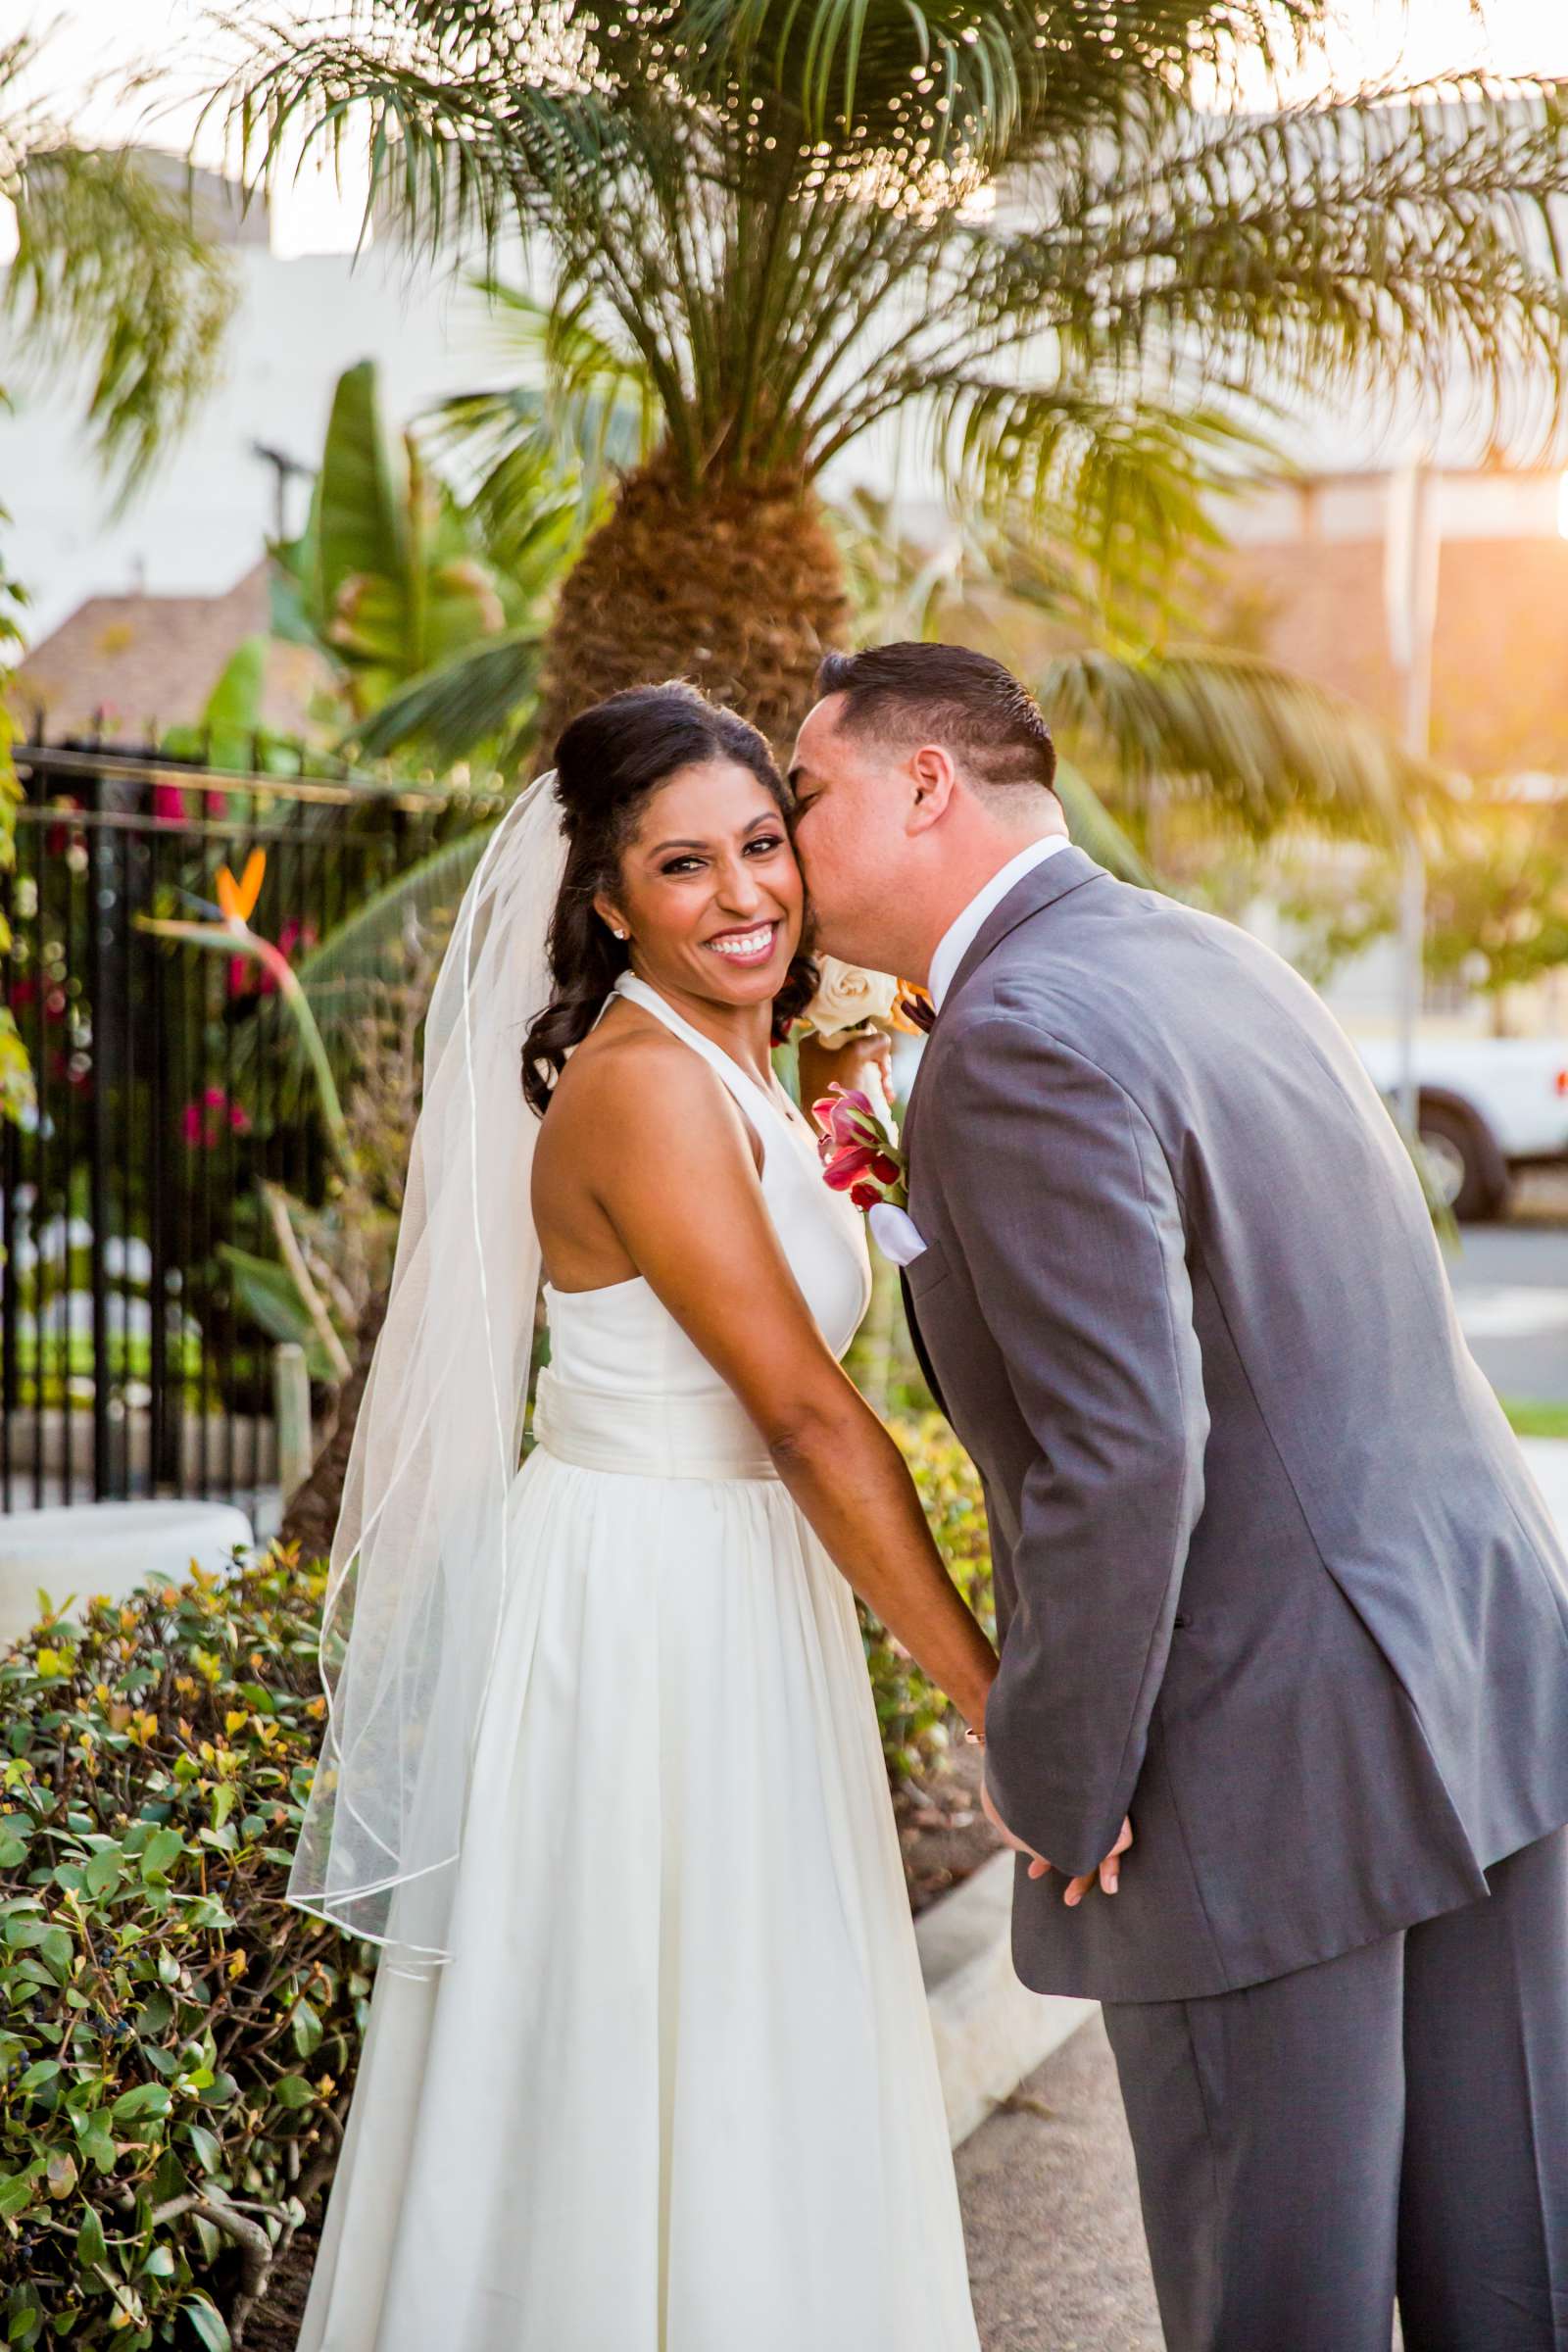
(954, 942)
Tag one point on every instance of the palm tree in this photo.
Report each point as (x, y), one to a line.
(799, 218)
(110, 280)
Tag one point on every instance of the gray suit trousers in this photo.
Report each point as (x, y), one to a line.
(1392, 2122)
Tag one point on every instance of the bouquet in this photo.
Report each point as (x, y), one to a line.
(850, 1001)
(859, 1155)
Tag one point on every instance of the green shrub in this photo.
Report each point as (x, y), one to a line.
(910, 1711)
(177, 2045)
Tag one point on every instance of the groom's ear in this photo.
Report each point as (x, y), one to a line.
(934, 780)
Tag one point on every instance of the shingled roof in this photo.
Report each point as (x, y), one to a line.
(146, 662)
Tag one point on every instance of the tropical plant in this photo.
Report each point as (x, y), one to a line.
(385, 579)
(1148, 726)
(1497, 899)
(429, 559)
(799, 221)
(111, 275)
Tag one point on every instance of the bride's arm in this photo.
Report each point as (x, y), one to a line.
(669, 1159)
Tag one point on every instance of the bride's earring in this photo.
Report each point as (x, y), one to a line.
(619, 932)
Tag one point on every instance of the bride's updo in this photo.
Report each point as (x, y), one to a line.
(609, 764)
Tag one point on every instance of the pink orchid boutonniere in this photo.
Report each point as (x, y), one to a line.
(859, 1155)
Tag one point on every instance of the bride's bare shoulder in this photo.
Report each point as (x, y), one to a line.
(630, 1081)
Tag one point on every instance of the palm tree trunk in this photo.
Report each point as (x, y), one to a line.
(311, 1514)
(736, 585)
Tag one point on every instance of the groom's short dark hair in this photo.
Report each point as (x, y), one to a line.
(950, 695)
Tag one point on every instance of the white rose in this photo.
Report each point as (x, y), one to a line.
(848, 998)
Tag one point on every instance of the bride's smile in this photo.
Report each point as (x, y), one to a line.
(709, 893)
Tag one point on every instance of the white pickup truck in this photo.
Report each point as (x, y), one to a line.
(1488, 1107)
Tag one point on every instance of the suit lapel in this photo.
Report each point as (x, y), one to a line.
(913, 1320)
(1069, 869)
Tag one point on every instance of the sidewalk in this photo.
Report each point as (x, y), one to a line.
(1057, 2260)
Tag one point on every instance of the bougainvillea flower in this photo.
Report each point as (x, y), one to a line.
(202, 1122)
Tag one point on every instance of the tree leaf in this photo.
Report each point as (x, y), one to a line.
(91, 2247)
(146, 2098)
(209, 2324)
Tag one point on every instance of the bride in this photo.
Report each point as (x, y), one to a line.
(648, 2066)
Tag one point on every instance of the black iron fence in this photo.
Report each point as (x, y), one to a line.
(128, 1362)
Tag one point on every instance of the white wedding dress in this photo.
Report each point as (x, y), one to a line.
(676, 2089)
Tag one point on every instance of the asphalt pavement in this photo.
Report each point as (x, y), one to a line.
(1511, 1285)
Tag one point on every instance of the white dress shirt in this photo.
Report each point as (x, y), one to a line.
(956, 940)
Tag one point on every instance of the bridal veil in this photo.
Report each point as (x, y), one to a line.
(418, 1565)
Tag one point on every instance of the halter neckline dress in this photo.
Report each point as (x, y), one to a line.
(676, 2089)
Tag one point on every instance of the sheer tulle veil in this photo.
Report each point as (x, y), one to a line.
(419, 1565)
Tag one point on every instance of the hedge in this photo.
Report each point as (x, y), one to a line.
(910, 1709)
(176, 2043)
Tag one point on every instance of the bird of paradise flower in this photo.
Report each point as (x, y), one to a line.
(231, 935)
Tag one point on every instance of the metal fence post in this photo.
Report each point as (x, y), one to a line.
(291, 1415)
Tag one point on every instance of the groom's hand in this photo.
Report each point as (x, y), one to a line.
(1076, 1889)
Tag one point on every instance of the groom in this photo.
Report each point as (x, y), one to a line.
(1273, 1583)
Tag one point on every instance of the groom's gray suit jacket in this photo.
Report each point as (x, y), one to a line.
(1271, 1573)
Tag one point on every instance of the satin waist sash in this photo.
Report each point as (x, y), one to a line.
(648, 1436)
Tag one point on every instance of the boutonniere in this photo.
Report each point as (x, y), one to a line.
(860, 1154)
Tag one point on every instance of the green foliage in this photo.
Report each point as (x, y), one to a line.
(1261, 745)
(110, 274)
(229, 734)
(1496, 898)
(175, 2044)
(387, 578)
(1251, 747)
(428, 601)
(910, 1711)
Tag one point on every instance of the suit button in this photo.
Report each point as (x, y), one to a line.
(1180, 1620)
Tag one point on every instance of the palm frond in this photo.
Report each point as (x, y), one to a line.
(384, 938)
(110, 274)
(1267, 748)
(575, 394)
(486, 691)
(1405, 241)
(1093, 828)
(1127, 482)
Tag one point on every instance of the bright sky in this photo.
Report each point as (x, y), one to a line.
(96, 44)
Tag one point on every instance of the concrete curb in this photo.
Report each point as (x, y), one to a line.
(989, 2030)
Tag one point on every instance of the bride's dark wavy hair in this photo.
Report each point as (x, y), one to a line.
(610, 762)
